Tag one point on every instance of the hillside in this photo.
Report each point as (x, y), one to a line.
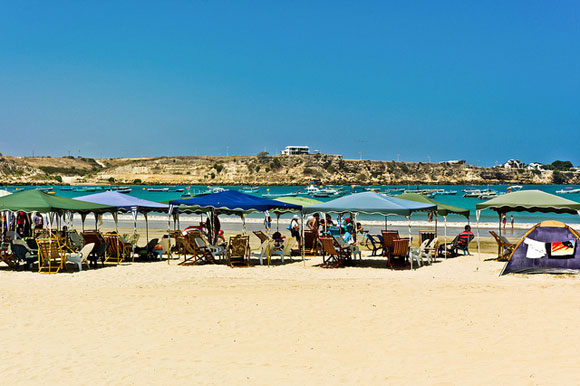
(258, 170)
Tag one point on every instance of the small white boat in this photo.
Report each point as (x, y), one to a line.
(568, 190)
(250, 189)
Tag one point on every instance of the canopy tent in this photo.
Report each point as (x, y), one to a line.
(125, 202)
(37, 201)
(234, 201)
(530, 201)
(370, 203)
(442, 209)
(549, 247)
(302, 201)
(527, 201)
(4, 193)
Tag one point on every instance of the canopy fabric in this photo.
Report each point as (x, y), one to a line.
(124, 202)
(530, 201)
(442, 209)
(37, 201)
(232, 200)
(371, 203)
(300, 201)
(4, 193)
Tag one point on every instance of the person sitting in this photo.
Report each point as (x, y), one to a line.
(460, 242)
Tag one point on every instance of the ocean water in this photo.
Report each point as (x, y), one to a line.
(487, 216)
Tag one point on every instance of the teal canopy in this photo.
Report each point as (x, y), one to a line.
(371, 203)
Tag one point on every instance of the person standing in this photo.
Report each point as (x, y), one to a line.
(295, 228)
(512, 222)
(267, 222)
(503, 221)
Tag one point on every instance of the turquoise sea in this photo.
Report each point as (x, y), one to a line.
(142, 191)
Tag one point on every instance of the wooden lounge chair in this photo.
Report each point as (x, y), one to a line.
(311, 246)
(353, 248)
(504, 247)
(203, 253)
(334, 256)
(239, 251)
(400, 251)
(51, 258)
(185, 247)
(388, 238)
(426, 235)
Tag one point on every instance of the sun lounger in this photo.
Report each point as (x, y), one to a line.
(388, 238)
(400, 251)
(239, 251)
(51, 258)
(334, 256)
(504, 247)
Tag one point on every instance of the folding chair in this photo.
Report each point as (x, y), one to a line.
(334, 257)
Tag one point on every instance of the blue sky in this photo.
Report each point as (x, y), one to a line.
(419, 80)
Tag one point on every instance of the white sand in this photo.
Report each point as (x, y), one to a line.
(455, 322)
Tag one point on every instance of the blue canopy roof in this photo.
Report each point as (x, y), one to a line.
(124, 202)
(232, 200)
(370, 203)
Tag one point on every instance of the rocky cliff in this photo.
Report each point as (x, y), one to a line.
(259, 170)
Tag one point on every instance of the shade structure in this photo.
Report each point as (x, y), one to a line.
(371, 203)
(442, 209)
(530, 201)
(232, 201)
(4, 193)
(123, 201)
(37, 201)
(300, 201)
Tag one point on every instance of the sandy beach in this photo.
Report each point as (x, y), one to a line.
(454, 322)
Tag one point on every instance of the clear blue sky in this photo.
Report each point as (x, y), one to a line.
(477, 80)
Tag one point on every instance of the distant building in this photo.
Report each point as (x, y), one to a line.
(535, 166)
(295, 150)
(514, 164)
(454, 162)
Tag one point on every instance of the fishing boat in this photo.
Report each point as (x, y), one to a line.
(274, 195)
(448, 192)
(158, 189)
(568, 190)
(66, 188)
(250, 189)
(514, 188)
(473, 193)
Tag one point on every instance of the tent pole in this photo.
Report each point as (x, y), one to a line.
(445, 217)
(499, 214)
(477, 213)
(146, 227)
(302, 237)
(410, 239)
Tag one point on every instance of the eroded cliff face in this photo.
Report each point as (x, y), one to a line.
(256, 170)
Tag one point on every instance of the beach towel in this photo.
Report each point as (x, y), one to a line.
(564, 249)
(536, 249)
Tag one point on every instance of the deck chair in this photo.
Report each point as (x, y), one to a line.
(185, 247)
(74, 240)
(99, 250)
(51, 258)
(334, 256)
(376, 243)
(269, 247)
(203, 253)
(239, 251)
(80, 257)
(311, 242)
(504, 247)
(458, 245)
(117, 248)
(399, 254)
(388, 238)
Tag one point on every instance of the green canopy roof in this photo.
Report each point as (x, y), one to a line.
(302, 201)
(442, 209)
(530, 201)
(37, 201)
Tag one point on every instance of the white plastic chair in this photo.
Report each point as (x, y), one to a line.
(418, 254)
(80, 257)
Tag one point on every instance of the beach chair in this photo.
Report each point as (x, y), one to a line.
(74, 240)
(239, 251)
(334, 256)
(426, 235)
(117, 248)
(400, 251)
(461, 244)
(269, 247)
(148, 251)
(504, 247)
(311, 246)
(432, 249)
(80, 257)
(51, 258)
(21, 252)
(204, 253)
(99, 250)
(376, 244)
(419, 254)
(388, 238)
